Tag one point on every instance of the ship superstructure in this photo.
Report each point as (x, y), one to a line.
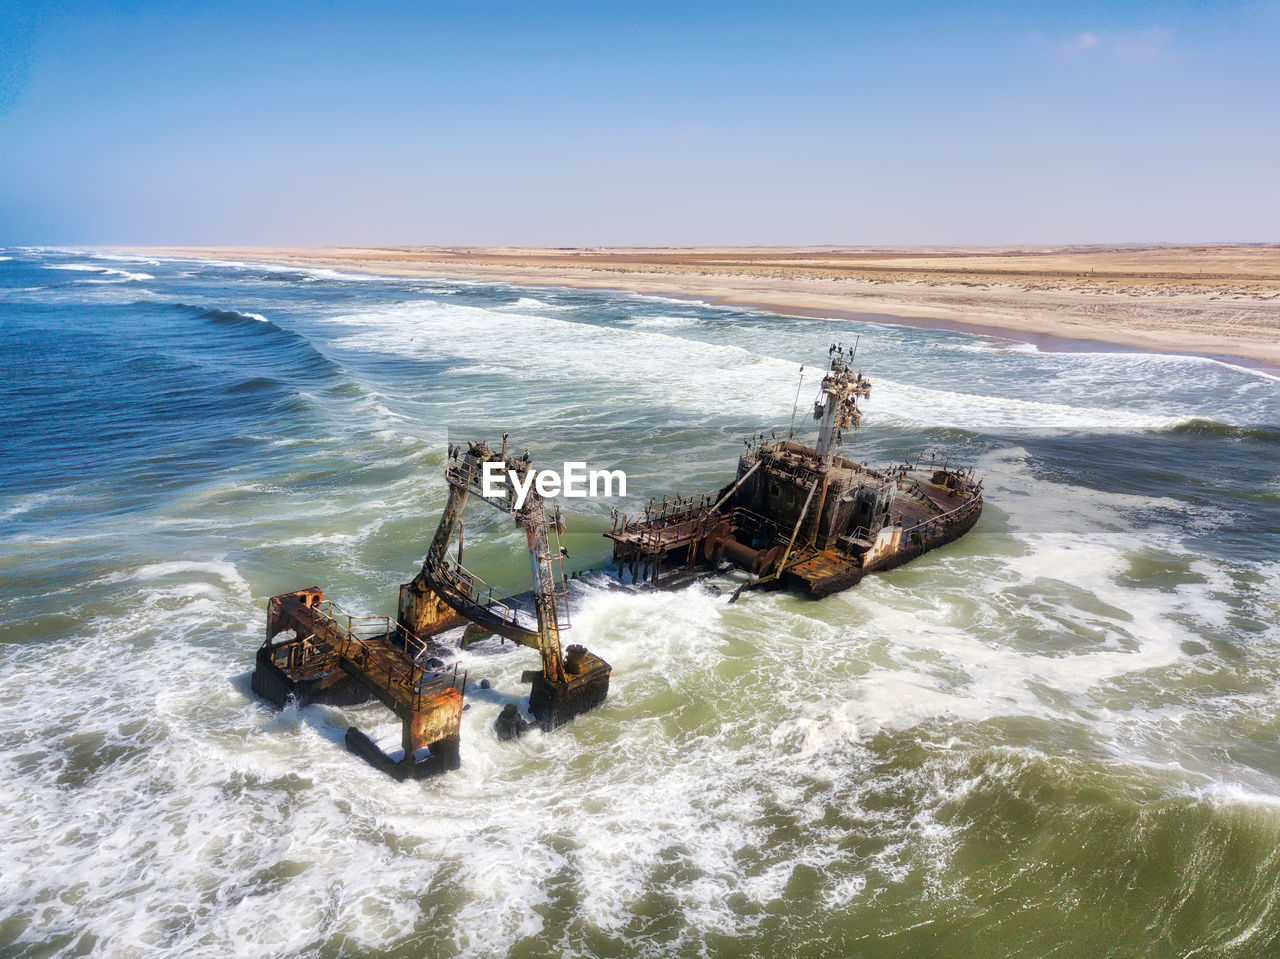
(804, 516)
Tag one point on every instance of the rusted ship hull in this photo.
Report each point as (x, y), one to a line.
(802, 516)
(785, 539)
(841, 579)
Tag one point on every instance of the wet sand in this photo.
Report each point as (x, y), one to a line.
(1218, 301)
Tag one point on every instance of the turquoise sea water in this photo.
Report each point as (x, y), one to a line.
(1059, 736)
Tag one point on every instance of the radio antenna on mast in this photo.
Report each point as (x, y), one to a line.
(796, 405)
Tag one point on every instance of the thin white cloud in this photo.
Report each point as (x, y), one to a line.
(1085, 41)
(1133, 45)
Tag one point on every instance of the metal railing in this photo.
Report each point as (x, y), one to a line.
(944, 519)
(353, 642)
(917, 491)
(470, 478)
(470, 589)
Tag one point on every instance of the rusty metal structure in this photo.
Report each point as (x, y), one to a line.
(316, 652)
(797, 516)
(570, 681)
(802, 516)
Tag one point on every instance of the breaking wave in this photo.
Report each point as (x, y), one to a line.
(103, 270)
(1202, 427)
(235, 318)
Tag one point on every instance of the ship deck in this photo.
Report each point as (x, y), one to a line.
(919, 502)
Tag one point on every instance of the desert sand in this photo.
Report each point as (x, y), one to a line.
(1221, 301)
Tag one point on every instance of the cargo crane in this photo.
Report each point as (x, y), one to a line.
(569, 682)
(316, 652)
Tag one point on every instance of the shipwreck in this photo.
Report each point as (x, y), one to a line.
(803, 517)
(794, 516)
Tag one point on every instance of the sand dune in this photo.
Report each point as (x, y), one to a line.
(1210, 300)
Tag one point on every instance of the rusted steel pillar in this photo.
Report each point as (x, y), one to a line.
(449, 519)
(534, 519)
(586, 686)
(421, 610)
(434, 724)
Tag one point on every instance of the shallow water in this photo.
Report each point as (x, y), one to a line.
(1055, 737)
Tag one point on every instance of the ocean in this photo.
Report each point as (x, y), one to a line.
(1056, 737)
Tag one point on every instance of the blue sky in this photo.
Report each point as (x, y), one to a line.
(657, 124)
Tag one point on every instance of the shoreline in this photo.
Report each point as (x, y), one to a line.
(1043, 342)
(1143, 308)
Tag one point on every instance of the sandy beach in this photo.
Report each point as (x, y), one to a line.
(1221, 301)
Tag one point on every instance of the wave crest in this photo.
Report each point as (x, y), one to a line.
(1207, 427)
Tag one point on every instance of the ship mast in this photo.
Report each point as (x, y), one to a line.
(836, 409)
